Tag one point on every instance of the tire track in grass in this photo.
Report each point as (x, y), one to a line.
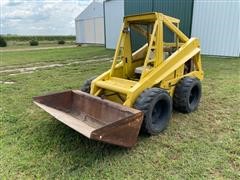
(37, 48)
(7, 82)
(26, 70)
(50, 62)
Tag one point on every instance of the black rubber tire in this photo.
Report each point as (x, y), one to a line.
(156, 104)
(187, 95)
(86, 87)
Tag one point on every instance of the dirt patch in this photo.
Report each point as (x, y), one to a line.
(7, 82)
(27, 72)
(17, 66)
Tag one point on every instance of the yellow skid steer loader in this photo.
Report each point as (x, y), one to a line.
(141, 87)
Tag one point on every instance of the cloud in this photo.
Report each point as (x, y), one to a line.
(40, 17)
(14, 2)
(3, 2)
(19, 14)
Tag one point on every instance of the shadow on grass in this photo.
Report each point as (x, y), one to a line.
(68, 143)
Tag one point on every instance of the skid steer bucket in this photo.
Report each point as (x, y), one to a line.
(94, 117)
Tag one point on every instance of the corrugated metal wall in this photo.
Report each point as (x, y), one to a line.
(217, 24)
(90, 31)
(79, 31)
(113, 14)
(180, 9)
(136, 7)
(99, 30)
(90, 25)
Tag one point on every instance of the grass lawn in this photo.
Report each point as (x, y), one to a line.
(51, 55)
(204, 144)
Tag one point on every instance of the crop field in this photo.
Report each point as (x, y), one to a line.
(201, 145)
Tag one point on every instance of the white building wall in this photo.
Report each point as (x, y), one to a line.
(114, 13)
(99, 30)
(90, 31)
(217, 25)
(78, 31)
(89, 35)
(90, 25)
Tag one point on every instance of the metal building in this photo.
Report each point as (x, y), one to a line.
(113, 16)
(179, 9)
(115, 10)
(217, 24)
(90, 25)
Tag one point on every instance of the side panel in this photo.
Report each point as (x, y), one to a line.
(77, 30)
(180, 9)
(136, 7)
(89, 29)
(114, 13)
(99, 30)
(80, 31)
(217, 25)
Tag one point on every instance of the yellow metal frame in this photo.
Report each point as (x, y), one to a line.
(118, 84)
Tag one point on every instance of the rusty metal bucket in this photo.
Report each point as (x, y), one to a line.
(94, 117)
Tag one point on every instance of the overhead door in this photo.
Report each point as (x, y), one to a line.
(99, 31)
(89, 34)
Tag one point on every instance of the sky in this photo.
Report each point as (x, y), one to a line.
(40, 17)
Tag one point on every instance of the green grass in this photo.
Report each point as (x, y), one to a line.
(202, 145)
(51, 55)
